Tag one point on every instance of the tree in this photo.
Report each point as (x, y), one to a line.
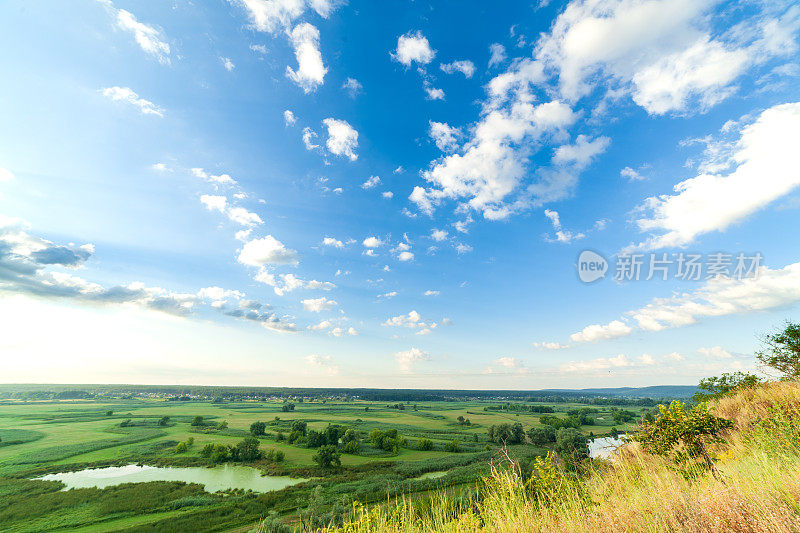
(425, 445)
(300, 426)
(782, 350)
(190, 441)
(125, 423)
(452, 447)
(222, 425)
(621, 416)
(571, 445)
(349, 436)
(163, 421)
(500, 434)
(542, 435)
(460, 419)
(207, 450)
(328, 456)
(287, 407)
(258, 428)
(198, 421)
(180, 448)
(517, 433)
(352, 447)
(332, 433)
(248, 449)
(109, 413)
(718, 386)
(315, 439)
(682, 434)
(220, 453)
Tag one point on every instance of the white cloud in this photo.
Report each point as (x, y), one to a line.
(5, 175)
(149, 39)
(316, 305)
(227, 63)
(582, 152)
(308, 138)
(310, 72)
(463, 248)
(433, 93)
(373, 242)
(330, 241)
(630, 174)
(498, 52)
(391, 294)
(720, 296)
(406, 359)
(341, 332)
(596, 332)
(260, 48)
(413, 47)
(431, 293)
(715, 352)
(491, 165)
(766, 158)
(342, 138)
(507, 365)
(271, 15)
(405, 256)
(466, 67)
(352, 87)
(562, 235)
(550, 345)
(438, 235)
(218, 179)
(214, 202)
(387, 194)
(661, 52)
(240, 215)
(267, 251)
(288, 118)
(285, 283)
(602, 363)
(371, 183)
(412, 320)
(445, 136)
(127, 95)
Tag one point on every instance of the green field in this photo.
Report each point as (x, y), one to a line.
(48, 435)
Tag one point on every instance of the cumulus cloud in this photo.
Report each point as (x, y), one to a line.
(373, 242)
(288, 118)
(330, 241)
(630, 174)
(550, 345)
(438, 235)
(414, 320)
(128, 96)
(311, 71)
(408, 358)
(237, 214)
(342, 138)
(715, 352)
(267, 251)
(466, 67)
(661, 52)
(507, 365)
(371, 183)
(284, 283)
(431, 293)
(766, 161)
(216, 179)
(413, 47)
(445, 136)
(720, 296)
(317, 305)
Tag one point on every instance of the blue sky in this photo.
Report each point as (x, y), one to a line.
(288, 192)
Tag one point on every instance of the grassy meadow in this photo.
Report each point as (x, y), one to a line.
(46, 435)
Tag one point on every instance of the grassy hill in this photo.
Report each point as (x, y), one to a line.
(759, 489)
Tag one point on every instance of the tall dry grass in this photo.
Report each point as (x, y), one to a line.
(760, 491)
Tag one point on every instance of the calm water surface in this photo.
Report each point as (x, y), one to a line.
(213, 479)
(603, 447)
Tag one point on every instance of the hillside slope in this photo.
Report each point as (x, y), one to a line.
(759, 490)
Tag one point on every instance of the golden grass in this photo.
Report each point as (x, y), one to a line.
(639, 492)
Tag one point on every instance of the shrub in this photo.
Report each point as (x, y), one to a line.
(352, 447)
(198, 421)
(542, 435)
(425, 445)
(181, 447)
(258, 428)
(327, 456)
(452, 447)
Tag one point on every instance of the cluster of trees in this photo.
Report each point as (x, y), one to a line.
(575, 418)
(507, 433)
(198, 421)
(463, 421)
(519, 407)
(387, 440)
(621, 416)
(183, 447)
(245, 450)
(287, 407)
(328, 456)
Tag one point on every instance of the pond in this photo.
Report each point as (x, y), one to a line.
(604, 447)
(213, 479)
